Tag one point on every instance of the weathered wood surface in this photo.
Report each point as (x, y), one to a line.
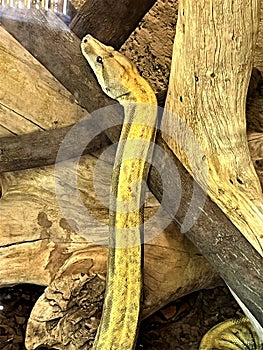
(30, 97)
(58, 49)
(73, 281)
(74, 66)
(110, 21)
(208, 84)
(37, 242)
(214, 235)
(41, 148)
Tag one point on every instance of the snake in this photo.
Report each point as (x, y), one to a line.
(118, 328)
(120, 80)
(232, 334)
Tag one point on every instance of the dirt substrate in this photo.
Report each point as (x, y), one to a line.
(180, 325)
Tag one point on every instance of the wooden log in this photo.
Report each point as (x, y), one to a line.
(19, 151)
(58, 49)
(110, 21)
(38, 242)
(41, 148)
(48, 105)
(212, 74)
(47, 249)
(46, 37)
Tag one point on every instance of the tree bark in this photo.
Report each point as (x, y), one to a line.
(110, 21)
(210, 72)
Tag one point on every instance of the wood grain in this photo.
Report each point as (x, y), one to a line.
(208, 84)
(30, 97)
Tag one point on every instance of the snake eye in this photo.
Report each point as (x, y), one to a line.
(99, 60)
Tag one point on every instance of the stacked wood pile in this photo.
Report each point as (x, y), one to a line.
(46, 88)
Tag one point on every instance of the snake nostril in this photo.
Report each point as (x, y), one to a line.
(85, 41)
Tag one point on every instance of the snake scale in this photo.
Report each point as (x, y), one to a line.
(120, 80)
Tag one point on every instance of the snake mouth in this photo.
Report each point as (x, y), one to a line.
(123, 95)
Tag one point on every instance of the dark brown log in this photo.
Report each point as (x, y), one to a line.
(110, 21)
(40, 148)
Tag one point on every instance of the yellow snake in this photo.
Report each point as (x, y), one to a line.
(119, 79)
(232, 334)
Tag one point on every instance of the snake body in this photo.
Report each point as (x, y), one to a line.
(232, 334)
(119, 79)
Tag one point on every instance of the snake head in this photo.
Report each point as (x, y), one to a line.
(113, 70)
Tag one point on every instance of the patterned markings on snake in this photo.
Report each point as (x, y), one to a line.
(232, 334)
(119, 79)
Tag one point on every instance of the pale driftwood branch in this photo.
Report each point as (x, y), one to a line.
(208, 84)
(31, 98)
(110, 21)
(58, 49)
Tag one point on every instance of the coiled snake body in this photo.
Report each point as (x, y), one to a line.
(232, 334)
(119, 79)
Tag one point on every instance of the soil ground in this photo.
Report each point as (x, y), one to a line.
(180, 325)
